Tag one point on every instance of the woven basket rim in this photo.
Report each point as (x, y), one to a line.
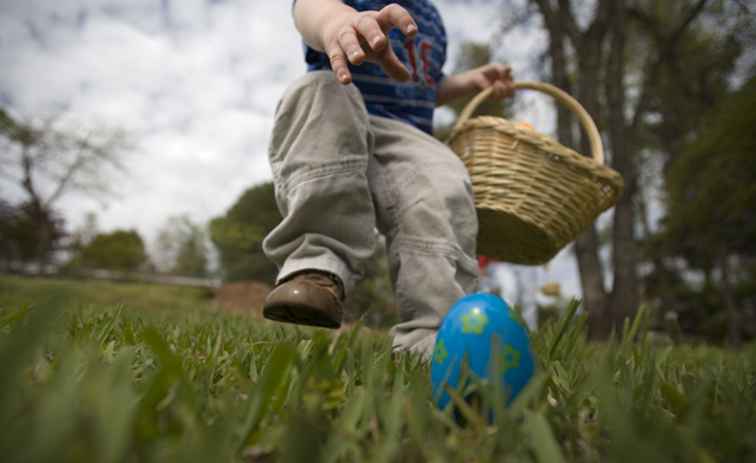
(545, 143)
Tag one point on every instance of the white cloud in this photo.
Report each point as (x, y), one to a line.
(195, 84)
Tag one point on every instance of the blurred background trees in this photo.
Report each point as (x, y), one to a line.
(651, 74)
(182, 248)
(42, 161)
(705, 251)
(238, 235)
(119, 250)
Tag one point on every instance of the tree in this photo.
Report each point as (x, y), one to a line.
(238, 235)
(19, 227)
(44, 161)
(710, 224)
(192, 257)
(85, 233)
(119, 250)
(182, 247)
(598, 51)
(687, 97)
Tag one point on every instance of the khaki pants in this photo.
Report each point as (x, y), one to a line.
(340, 174)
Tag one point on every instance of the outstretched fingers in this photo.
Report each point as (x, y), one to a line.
(393, 15)
(365, 38)
(393, 66)
(390, 17)
(350, 44)
(370, 31)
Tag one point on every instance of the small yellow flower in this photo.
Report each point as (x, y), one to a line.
(474, 321)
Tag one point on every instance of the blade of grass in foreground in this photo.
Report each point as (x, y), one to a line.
(566, 321)
(262, 395)
(545, 445)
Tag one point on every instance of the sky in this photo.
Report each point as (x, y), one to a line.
(195, 83)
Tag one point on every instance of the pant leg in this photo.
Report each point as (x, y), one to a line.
(319, 154)
(426, 210)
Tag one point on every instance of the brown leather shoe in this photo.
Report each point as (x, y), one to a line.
(308, 298)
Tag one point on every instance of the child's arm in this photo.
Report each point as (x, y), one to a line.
(347, 35)
(470, 82)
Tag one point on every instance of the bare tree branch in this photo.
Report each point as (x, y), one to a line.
(692, 15)
(666, 44)
(55, 161)
(743, 6)
(63, 183)
(27, 169)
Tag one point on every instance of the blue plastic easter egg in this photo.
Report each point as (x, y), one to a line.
(475, 326)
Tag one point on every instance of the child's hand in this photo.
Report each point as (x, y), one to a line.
(493, 75)
(356, 37)
(497, 76)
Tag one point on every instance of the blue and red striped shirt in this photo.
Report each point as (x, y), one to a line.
(412, 102)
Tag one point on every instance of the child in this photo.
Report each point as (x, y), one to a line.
(351, 151)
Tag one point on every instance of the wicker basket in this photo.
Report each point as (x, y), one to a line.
(533, 196)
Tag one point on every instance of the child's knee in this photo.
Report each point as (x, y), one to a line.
(444, 209)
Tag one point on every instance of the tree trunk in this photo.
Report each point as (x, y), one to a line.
(728, 296)
(625, 295)
(590, 61)
(561, 28)
(600, 65)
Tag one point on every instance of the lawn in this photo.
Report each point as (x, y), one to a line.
(129, 373)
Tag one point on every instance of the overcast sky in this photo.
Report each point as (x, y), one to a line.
(195, 84)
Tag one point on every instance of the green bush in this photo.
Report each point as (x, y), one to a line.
(120, 250)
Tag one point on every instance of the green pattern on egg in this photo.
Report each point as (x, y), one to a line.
(510, 357)
(440, 353)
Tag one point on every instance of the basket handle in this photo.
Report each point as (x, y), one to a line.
(597, 147)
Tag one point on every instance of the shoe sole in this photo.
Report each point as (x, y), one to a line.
(300, 315)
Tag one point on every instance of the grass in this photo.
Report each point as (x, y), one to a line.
(121, 373)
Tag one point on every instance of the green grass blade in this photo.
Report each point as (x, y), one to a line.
(544, 445)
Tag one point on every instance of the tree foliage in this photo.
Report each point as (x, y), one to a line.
(119, 250)
(20, 227)
(712, 184)
(238, 235)
(710, 226)
(192, 256)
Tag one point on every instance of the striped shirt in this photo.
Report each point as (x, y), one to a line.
(412, 102)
